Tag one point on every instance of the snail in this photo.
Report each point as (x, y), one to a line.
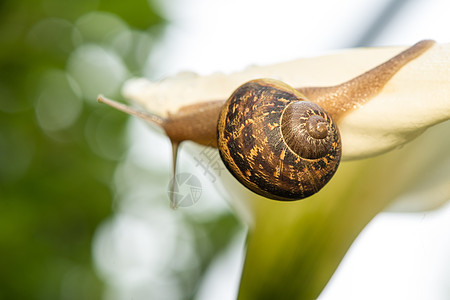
(280, 142)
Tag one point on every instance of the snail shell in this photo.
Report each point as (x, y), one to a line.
(275, 142)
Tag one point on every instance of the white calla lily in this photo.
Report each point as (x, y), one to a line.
(303, 242)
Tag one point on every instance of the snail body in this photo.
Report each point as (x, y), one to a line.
(275, 142)
(280, 142)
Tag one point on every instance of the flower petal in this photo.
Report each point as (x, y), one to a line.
(417, 97)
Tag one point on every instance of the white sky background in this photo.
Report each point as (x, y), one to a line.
(398, 256)
(223, 36)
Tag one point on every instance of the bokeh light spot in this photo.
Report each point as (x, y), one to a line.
(57, 106)
(135, 47)
(97, 27)
(102, 132)
(56, 36)
(96, 69)
(130, 252)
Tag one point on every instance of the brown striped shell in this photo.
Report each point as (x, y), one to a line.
(275, 142)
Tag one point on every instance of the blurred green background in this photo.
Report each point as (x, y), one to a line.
(84, 211)
(59, 148)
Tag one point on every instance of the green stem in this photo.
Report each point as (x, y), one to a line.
(296, 247)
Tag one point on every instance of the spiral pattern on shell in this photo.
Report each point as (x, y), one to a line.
(275, 142)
